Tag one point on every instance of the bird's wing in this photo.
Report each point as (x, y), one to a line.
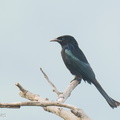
(79, 54)
(82, 67)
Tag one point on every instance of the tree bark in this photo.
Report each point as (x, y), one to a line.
(56, 107)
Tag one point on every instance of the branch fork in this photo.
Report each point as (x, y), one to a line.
(56, 107)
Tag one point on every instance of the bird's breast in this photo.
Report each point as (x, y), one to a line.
(65, 57)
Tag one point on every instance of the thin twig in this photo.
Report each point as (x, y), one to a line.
(53, 86)
(28, 95)
(21, 88)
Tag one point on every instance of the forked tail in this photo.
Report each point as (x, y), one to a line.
(113, 103)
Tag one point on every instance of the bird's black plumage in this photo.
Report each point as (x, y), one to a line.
(78, 65)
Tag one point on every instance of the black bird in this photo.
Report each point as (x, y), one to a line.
(79, 66)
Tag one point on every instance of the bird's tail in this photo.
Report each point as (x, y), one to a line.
(113, 103)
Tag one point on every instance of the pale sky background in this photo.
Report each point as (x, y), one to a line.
(27, 26)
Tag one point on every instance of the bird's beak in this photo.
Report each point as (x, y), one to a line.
(55, 40)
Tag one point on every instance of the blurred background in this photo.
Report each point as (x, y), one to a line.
(27, 26)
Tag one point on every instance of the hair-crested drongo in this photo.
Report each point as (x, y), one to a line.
(79, 66)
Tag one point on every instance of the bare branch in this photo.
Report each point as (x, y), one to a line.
(33, 97)
(50, 106)
(55, 107)
(53, 86)
(34, 103)
(62, 97)
(28, 95)
(21, 88)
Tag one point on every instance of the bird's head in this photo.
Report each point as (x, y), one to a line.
(65, 40)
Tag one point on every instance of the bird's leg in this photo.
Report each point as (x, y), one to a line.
(78, 79)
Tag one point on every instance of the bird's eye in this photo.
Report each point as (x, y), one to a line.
(62, 38)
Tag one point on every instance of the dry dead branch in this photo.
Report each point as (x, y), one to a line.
(57, 107)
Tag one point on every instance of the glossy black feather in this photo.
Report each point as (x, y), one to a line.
(78, 65)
